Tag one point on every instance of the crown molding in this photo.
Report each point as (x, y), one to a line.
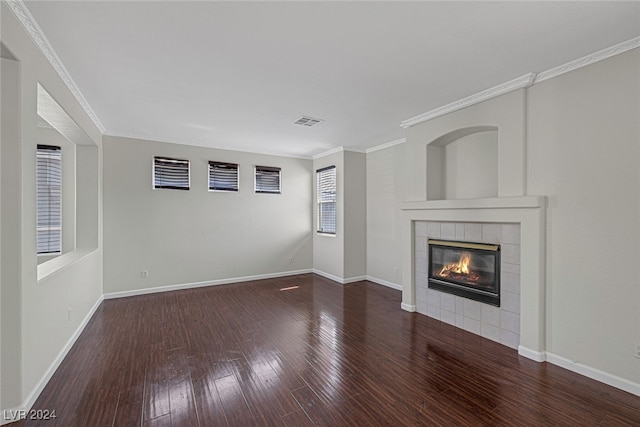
(386, 145)
(328, 153)
(523, 82)
(355, 150)
(339, 150)
(25, 18)
(501, 89)
(589, 59)
(194, 144)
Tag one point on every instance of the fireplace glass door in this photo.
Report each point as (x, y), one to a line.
(467, 269)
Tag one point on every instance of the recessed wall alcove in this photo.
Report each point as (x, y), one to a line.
(468, 170)
(463, 164)
(80, 184)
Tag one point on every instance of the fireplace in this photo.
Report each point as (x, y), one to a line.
(466, 269)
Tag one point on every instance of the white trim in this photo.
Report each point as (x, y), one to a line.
(18, 410)
(153, 173)
(328, 276)
(595, 374)
(386, 145)
(236, 191)
(516, 202)
(150, 138)
(589, 59)
(519, 83)
(329, 152)
(32, 28)
(355, 150)
(339, 279)
(382, 282)
(192, 285)
(33, 396)
(523, 82)
(255, 179)
(538, 356)
(527, 211)
(61, 262)
(339, 150)
(318, 233)
(408, 307)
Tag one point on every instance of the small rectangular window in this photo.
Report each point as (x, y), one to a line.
(49, 199)
(170, 173)
(267, 180)
(223, 176)
(326, 189)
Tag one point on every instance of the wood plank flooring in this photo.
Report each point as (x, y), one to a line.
(252, 354)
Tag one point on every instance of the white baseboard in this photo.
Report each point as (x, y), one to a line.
(538, 356)
(192, 285)
(579, 368)
(353, 279)
(33, 396)
(35, 393)
(340, 280)
(327, 275)
(408, 307)
(12, 415)
(384, 283)
(595, 374)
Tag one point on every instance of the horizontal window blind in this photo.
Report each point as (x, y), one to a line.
(170, 173)
(223, 176)
(326, 191)
(49, 199)
(267, 179)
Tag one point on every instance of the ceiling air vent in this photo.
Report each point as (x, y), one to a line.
(307, 121)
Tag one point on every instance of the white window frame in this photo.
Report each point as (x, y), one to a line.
(256, 169)
(322, 198)
(40, 153)
(212, 164)
(170, 187)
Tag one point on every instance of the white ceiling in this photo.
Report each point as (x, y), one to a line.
(238, 74)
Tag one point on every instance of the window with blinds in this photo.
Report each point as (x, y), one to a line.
(223, 176)
(267, 180)
(170, 173)
(49, 199)
(326, 190)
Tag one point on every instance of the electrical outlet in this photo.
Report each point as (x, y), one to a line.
(69, 315)
(637, 351)
(290, 259)
(144, 274)
(397, 270)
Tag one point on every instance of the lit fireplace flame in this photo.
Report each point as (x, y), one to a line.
(460, 267)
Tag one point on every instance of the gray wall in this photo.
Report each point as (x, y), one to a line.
(471, 167)
(187, 237)
(583, 152)
(39, 317)
(355, 215)
(583, 144)
(385, 191)
(328, 250)
(342, 257)
(10, 324)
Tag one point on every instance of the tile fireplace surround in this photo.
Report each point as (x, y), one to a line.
(518, 225)
(501, 324)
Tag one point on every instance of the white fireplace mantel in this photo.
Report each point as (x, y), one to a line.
(530, 213)
(492, 203)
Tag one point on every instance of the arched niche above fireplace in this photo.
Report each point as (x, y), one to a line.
(463, 164)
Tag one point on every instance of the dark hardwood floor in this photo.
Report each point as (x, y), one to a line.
(255, 354)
